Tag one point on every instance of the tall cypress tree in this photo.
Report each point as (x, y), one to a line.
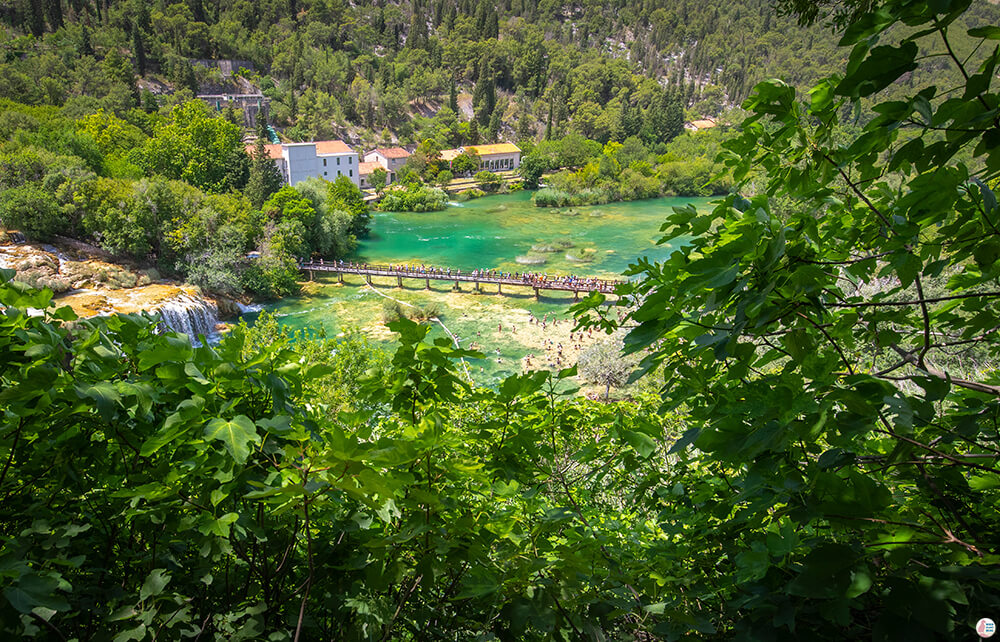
(139, 51)
(453, 97)
(86, 49)
(548, 122)
(54, 13)
(265, 179)
(36, 18)
(493, 133)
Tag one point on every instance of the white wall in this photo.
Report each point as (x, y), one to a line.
(303, 163)
(492, 162)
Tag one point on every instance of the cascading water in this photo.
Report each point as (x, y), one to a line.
(190, 315)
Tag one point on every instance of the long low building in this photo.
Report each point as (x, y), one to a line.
(498, 157)
(327, 159)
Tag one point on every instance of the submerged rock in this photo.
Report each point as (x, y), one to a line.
(531, 260)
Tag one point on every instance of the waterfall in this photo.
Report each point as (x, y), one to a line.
(190, 315)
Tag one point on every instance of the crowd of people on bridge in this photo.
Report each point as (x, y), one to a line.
(533, 279)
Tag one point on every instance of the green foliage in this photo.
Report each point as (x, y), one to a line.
(830, 340)
(32, 210)
(378, 179)
(465, 163)
(488, 181)
(687, 166)
(264, 177)
(413, 198)
(199, 148)
(362, 484)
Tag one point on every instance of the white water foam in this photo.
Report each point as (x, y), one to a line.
(190, 315)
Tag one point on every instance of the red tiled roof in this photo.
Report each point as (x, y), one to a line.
(365, 169)
(274, 151)
(393, 152)
(332, 147)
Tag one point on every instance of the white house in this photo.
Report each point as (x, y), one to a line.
(390, 158)
(323, 158)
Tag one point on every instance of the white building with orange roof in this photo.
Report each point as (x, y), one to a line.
(498, 157)
(327, 159)
(391, 159)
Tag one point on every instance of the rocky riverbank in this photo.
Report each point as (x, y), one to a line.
(85, 279)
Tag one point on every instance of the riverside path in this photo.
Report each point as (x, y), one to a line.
(574, 284)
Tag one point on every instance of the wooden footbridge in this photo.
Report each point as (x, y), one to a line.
(538, 282)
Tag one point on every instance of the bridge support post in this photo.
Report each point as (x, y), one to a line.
(340, 277)
(536, 294)
(457, 288)
(499, 288)
(576, 295)
(399, 281)
(310, 275)
(368, 278)
(427, 284)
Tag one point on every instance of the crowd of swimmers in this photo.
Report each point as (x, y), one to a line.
(534, 279)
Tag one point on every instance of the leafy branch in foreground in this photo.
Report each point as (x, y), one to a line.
(832, 342)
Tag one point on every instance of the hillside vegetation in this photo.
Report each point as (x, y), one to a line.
(370, 70)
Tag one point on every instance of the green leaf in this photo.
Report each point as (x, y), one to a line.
(155, 582)
(991, 32)
(236, 435)
(137, 633)
(640, 442)
(104, 394)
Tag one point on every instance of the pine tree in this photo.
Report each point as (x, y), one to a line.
(664, 119)
(149, 104)
(492, 24)
(631, 120)
(485, 98)
(265, 179)
(453, 97)
(524, 128)
(36, 18)
(86, 49)
(53, 10)
(474, 132)
(139, 51)
(548, 122)
(493, 133)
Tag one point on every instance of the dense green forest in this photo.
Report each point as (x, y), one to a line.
(814, 453)
(371, 71)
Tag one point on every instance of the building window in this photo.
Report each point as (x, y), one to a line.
(352, 173)
(324, 173)
(324, 162)
(350, 160)
(338, 160)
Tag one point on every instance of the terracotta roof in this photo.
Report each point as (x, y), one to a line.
(324, 147)
(393, 152)
(498, 148)
(703, 124)
(367, 168)
(274, 151)
(450, 154)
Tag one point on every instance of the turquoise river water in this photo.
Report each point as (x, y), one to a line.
(488, 233)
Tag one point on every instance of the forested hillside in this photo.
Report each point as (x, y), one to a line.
(376, 71)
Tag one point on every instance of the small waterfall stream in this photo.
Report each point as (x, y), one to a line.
(190, 315)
